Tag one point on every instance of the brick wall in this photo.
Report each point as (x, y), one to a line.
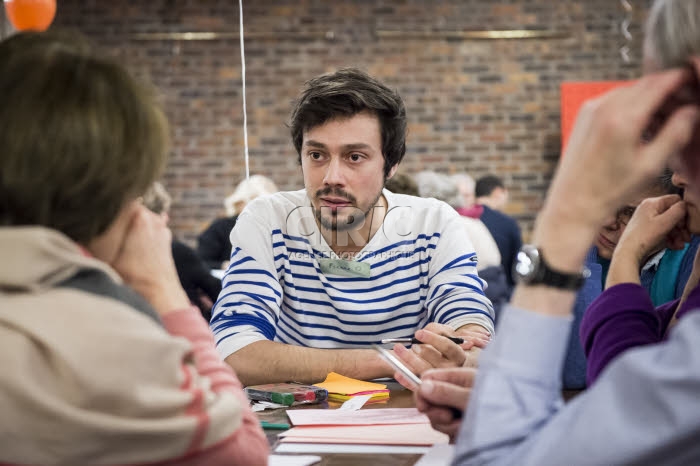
(479, 106)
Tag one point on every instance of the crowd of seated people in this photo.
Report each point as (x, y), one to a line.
(445, 188)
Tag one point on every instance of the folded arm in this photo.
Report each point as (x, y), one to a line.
(268, 362)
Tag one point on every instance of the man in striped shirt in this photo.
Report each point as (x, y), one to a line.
(320, 274)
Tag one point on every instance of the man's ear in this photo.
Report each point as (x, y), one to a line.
(392, 172)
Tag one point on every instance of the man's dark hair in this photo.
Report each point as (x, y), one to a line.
(79, 137)
(486, 184)
(344, 94)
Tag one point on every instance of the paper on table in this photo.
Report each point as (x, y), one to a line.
(336, 383)
(438, 455)
(376, 397)
(355, 403)
(400, 434)
(293, 460)
(345, 448)
(325, 417)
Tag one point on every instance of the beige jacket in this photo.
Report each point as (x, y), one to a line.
(87, 378)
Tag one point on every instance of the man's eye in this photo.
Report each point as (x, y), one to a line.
(355, 157)
(315, 155)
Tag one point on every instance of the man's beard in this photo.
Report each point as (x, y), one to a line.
(330, 221)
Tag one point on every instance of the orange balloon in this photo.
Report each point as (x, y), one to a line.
(36, 15)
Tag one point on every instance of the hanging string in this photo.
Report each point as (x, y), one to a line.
(625, 30)
(245, 113)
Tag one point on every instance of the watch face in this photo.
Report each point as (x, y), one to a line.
(526, 263)
(532, 269)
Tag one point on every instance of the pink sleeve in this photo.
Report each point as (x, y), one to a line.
(248, 444)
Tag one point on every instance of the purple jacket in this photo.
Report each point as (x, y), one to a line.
(624, 317)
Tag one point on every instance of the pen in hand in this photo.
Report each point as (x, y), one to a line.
(415, 341)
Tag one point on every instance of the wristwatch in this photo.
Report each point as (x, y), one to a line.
(531, 269)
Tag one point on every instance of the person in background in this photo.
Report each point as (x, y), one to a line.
(402, 183)
(491, 196)
(445, 188)
(643, 407)
(466, 186)
(670, 281)
(319, 275)
(201, 287)
(214, 243)
(491, 192)
(104, 360)
(606, 330)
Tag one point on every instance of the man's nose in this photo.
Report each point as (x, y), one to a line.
(611, 222)
(335, 174)
(678, 180)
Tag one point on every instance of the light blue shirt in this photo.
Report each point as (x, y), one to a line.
(644, 409)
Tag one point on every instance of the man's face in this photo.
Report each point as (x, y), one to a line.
(685, 163)
(343, 169)
(692, 203)
(610, 234)
(467, 194)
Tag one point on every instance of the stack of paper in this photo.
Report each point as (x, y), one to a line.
(341, 388)
(394, 426)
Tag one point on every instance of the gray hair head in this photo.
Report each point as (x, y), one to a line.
(672, 33)
(439, 186)
(465, 179)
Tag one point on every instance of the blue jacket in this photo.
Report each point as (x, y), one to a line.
(574, 373)
(506, 233)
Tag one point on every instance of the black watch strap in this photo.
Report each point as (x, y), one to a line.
(564, 281)
(532, 269)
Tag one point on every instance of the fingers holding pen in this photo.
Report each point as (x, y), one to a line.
(439, 350)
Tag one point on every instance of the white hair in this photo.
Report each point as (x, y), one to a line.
(247, 190)
(673, 32)
(439, 186)
(465, 179)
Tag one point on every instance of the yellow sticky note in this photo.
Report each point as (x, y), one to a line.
(336, 383)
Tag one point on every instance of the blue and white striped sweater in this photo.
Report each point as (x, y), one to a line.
(274, 289)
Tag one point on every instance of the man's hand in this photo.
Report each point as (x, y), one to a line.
(145, 262)
(442, 392)
(438, 351)
(621, 140)
(655, 222)
(475, 334)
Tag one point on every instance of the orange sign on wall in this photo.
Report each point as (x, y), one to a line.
(573, 95)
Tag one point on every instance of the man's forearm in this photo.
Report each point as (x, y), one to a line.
(269, 362)
(564, 245)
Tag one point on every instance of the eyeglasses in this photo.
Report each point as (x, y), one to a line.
(623, 216)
